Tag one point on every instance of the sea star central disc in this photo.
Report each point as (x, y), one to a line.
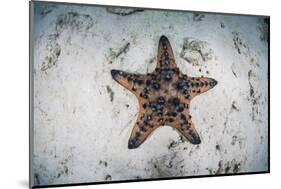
(164, 96)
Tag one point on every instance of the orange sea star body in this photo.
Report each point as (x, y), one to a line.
(164, 96)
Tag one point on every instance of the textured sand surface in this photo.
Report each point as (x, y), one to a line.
(83, 118)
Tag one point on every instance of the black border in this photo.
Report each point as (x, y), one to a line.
(139, 180)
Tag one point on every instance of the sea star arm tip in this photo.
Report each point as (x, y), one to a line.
(199, 85)
(165, 56)
(132, 82)
(188, 130)
(144, 126)
(138, 136)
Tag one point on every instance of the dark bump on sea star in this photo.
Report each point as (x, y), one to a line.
(129, 78)
(155, 85)
(183, 119)
(174, 101)
(161, 100)
(174, 114)
(148, 82)
(187, 96)
(179, 86)
(142, 128)
(180, 108)
(140, 82)
(167, 74)
(137, 134)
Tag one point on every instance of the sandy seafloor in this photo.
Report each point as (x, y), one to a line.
(83, 118)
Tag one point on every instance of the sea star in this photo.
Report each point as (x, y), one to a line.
(164, 96)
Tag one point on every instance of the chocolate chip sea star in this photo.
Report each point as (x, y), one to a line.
(164, 96)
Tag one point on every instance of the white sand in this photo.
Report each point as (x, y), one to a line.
(81, 120)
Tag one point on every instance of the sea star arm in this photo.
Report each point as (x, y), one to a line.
(199, 85)
(165, 56)
(132, 82)
(144, 126)
(187, 129)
